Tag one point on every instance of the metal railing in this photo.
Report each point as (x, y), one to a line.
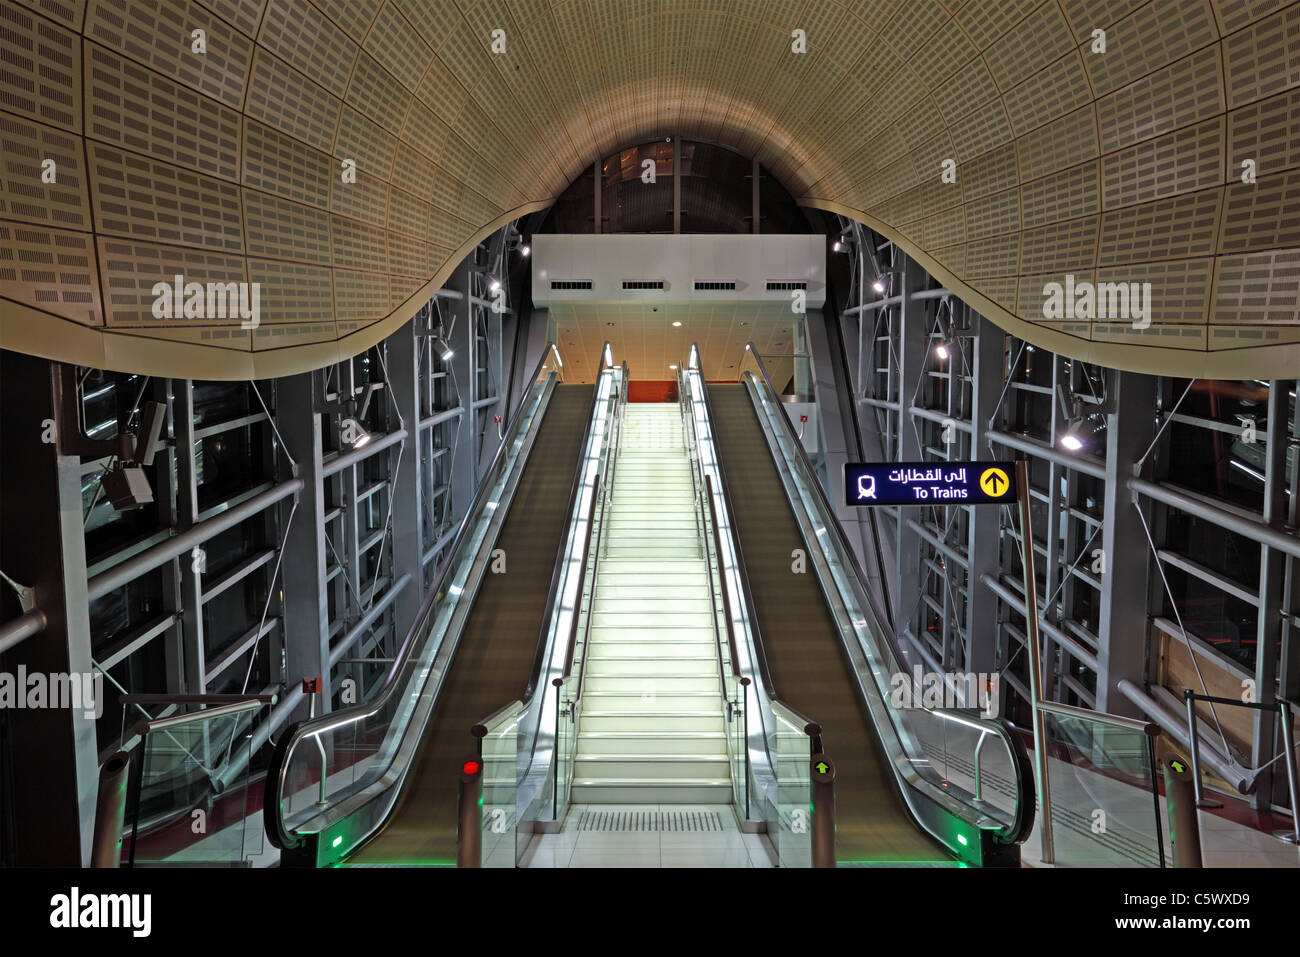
(171, 780)
(875, 653)
(733, 687)
(787, 785)
(422, 657)
(538, 716)
(1282, 708)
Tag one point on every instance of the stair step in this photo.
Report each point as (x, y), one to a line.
(659, 619)
(650, 767)
(669, 631)
(652, 742)
(667, 552)
(662, 571)
(654, 701)
(648, 663)
(651, 605)
(651, 792)
(647, 720)
(636, 684)
(686, 587)
(691, 650)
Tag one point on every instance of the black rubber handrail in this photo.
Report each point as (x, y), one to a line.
(582, 574)
(274, 824)
(726, 601)
(539, 657)
(609, 491)
(760, 655)
(1020, 827)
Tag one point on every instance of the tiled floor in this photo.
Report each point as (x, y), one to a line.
(574, 848)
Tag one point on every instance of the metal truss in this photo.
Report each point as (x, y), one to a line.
(934, 380)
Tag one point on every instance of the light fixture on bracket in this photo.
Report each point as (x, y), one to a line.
(1072, 438)
(351, 410)
(1081, 429)
(947, 336)
(881, 284)
(1081, 433)
(126, 484)
(359, 436)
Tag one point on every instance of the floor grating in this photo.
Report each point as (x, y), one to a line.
(650, 821)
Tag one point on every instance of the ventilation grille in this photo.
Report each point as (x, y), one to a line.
(779, 286)
(708, 284)
(643, 283)
(650, 821)
(570, 283)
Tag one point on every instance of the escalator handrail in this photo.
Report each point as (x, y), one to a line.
(539, 657)
(601, 492)
(1020, 827)
(299, 730)
(742, 572)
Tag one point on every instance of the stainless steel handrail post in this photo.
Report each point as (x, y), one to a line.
(1194, 737)
(979, 783)
(110, 811)
(320, 746)
(1035, 660)
(1293, 786)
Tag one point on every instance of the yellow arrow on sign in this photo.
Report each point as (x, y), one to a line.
(994, 482)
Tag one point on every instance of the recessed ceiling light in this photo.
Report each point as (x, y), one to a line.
(677, 323)
(672, 367)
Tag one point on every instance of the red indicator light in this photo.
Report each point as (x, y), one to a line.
(471, 767)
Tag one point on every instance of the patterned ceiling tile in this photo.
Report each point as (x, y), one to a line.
(1172, 157)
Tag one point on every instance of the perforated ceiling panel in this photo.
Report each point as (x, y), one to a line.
(131, 158)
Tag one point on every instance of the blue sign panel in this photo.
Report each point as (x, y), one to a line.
(929, 483)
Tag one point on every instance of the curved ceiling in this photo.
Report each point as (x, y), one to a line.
(224, 166)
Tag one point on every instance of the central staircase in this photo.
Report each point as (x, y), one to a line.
(652, 728)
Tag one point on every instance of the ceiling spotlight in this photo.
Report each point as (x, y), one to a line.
(677, 322)
(941, 350)
(1081, 431)
(674, 368)
(444, 350)
(879, 285)
(525, 249)
(351, 431)
(836, 246)
(494, 285)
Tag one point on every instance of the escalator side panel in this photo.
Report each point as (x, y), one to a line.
(802, 644)
(495, 655)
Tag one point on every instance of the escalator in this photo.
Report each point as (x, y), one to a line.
(913, 785)
(377, 784)
(802, 646)
(497, 648)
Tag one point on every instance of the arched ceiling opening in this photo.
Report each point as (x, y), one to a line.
(225, 165)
